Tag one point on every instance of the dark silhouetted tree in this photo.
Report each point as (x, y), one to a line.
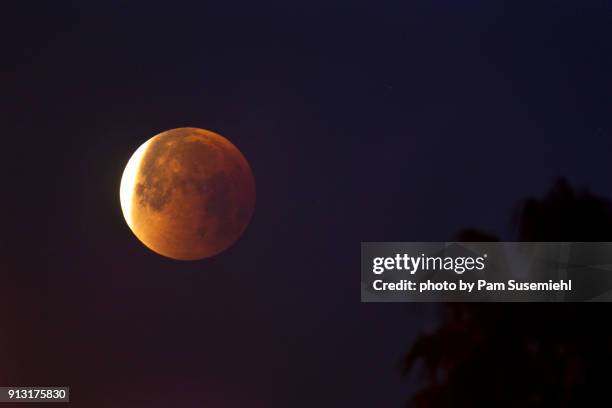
(522, 354)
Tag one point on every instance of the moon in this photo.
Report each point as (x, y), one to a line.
(187, 193)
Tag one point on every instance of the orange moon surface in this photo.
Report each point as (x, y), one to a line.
(187, 193)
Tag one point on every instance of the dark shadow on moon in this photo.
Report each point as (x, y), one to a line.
(199, 185)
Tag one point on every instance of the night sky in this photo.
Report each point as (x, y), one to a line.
(361, 120)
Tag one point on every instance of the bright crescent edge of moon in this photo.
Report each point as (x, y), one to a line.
(128, 181)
